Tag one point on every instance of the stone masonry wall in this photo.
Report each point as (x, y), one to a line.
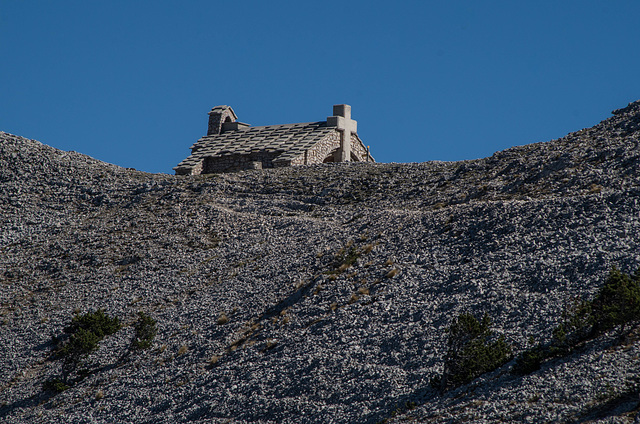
(217, 117)
(357, 149)
(320, 151)
(327, 146)
(232, 163)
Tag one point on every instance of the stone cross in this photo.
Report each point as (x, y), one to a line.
(341, 119)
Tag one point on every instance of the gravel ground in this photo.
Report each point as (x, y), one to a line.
(517, 235)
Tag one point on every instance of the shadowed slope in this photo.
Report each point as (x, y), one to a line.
(337, 281)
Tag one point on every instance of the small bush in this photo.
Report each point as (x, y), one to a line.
(146, 331)
(85, 331)
(576, 325)
(529, 361)
(616, 304)
(344, 259)
(350, 257)
(392, 273)
(222, 319)
(473, 351)
(54, 385)
(81, 342)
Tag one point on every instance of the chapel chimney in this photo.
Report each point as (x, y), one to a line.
(218, 116)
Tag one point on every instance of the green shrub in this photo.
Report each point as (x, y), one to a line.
(529, 361)
(576, 325)
(54, 385)
(349, 257)
(344, 259)
(616, 303)
(146, 330)
(85, 331)
(472, 350)
(81, 342)
(97, 322)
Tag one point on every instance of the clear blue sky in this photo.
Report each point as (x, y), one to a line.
(131, 82)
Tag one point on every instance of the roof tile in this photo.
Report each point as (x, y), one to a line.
(288, 139)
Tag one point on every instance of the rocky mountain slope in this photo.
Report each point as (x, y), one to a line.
(317, 294)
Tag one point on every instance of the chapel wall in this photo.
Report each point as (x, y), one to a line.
(358, 149)
(234, 163)
(320, 150)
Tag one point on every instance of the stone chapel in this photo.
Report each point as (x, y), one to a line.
(234, 146)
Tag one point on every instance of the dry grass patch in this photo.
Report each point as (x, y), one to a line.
(222, 319)
(392, 273)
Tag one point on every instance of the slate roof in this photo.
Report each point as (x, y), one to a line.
(290, 140)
